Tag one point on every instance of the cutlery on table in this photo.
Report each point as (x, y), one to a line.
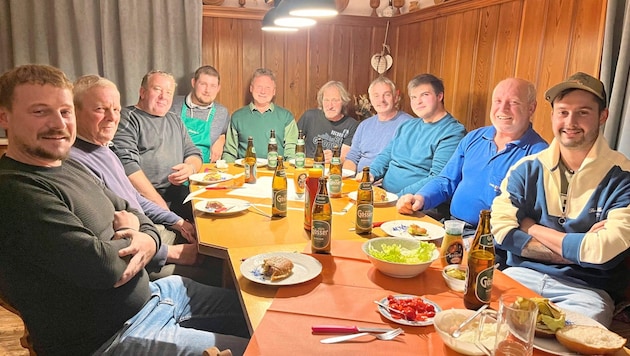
(376, 224)
(457, 332)
(260, 211)
(338, 329)
(391, 309)
(390, 335)
(347, 207)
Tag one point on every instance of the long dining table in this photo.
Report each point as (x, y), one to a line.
(280, 317)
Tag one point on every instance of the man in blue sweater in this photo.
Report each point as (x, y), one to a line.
(420, 148)
(471, 178)
(563, 213)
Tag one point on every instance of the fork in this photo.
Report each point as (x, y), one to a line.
(390, 335)
(259, 211)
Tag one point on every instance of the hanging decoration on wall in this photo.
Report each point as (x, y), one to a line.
(381, 62)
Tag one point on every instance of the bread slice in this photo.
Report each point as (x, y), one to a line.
(277, 267)
(590, 340)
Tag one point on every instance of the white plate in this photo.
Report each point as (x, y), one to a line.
(308, 164)
(234, 206)
(305, 268)
(345, 173)
(260, 162)
(399, 228)
(552, 346)
(385, 312)
(198, 178)
(391, 197)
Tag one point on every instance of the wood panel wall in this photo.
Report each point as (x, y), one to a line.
(470, 44)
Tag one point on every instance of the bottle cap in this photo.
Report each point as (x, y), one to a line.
(315, 172)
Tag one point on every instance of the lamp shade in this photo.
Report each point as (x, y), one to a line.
(269, 25)
(284, 18)
(312, 8)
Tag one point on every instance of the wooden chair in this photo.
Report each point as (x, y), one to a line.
(25, 340)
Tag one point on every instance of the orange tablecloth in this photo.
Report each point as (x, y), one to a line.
(343, 295)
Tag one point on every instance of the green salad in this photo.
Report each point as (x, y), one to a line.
(398, 254)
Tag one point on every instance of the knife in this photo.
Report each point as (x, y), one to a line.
(338, 329)
(211, 186)
(375, 224)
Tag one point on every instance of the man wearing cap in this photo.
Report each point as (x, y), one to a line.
(563, 213)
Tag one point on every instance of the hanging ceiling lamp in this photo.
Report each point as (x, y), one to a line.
(269, 25)
(284, 18)
(312, 8)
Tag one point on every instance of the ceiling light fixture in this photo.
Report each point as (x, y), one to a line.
(269, 25)
(312, 8)
(283, 18)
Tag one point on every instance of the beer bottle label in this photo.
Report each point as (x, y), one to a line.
(454, 253)
(272, 159)
(483, 284)
(319, 165)
(320, 234)
(300, 158)
(364, 216)
(335, 160)
(486, 240)
(247, 171)
(280, 200)
(334, 183)
(365, 186)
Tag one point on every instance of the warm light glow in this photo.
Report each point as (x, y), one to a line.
(291, 21)
(314, 12)
(312, 8)
(269, 26)
(279, 29)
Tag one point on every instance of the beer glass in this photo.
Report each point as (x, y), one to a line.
(515, 327)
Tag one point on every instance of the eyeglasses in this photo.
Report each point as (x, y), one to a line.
(333, 101)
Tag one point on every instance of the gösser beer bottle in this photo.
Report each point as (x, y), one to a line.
(279, 189)
(300, 155)
(249, 162)
(334, 174)
(318, 159)
(480, 265)
(321, 229)
(272, 150)
(365, 204)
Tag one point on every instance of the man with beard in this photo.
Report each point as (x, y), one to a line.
(73, 253)
(205, 119)
(155, 148)
(563, 213)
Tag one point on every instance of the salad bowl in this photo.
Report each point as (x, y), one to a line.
(400, 257)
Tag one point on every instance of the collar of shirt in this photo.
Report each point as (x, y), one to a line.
(192, 105)
(252, 107)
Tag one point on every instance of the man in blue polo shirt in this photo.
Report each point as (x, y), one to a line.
(473, 175)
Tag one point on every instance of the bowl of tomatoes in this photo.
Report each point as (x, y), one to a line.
(408, 309)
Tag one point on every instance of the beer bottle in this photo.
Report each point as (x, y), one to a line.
(322, 220)
(480, 265)
(318, 160)
(365, 204)
(312, 187)
(300, 154)
(279, 189)
(272, 151)
(250, 162)
(334, 174)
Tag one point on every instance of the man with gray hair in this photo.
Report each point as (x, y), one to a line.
(205, 119)
(374, 133)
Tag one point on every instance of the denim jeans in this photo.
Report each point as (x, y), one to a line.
(182, 317)
(594, 303)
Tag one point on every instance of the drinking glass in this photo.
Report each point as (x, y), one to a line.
(515, 327)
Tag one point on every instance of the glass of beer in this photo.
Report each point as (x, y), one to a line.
(515, 327)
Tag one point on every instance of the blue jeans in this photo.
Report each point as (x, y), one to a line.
(594, 303)
(182, 317)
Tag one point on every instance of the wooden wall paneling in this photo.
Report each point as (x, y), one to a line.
(451, 61)
(252, 44)
(507, 39)
(586, 34)
(340, 55)
(274, 57)
(297, 96)
(323, 46)
(533, 26)
(438, 46)
(466, 57)
(227, 60)
(360, 72)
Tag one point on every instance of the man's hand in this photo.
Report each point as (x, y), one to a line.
(181, 172)
(216, 151)
(598, 226)
(328, 156)
(142, 249)
(408, 204)
(184, 254)
(124, 219)
(187, 230)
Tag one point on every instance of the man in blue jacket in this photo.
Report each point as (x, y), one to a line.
(563, 213)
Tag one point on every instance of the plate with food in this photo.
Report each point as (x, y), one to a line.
(567, 333)
(281, 268)
(209, 177)
(260, 162)
(414, 310)
(413, 228)
(222, 206)
(381, 196)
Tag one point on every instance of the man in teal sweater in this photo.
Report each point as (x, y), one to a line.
(420, 148)
(257, 120)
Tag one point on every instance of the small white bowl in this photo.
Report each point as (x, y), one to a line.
(448, 320)
(453, 283)
(393, 269)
